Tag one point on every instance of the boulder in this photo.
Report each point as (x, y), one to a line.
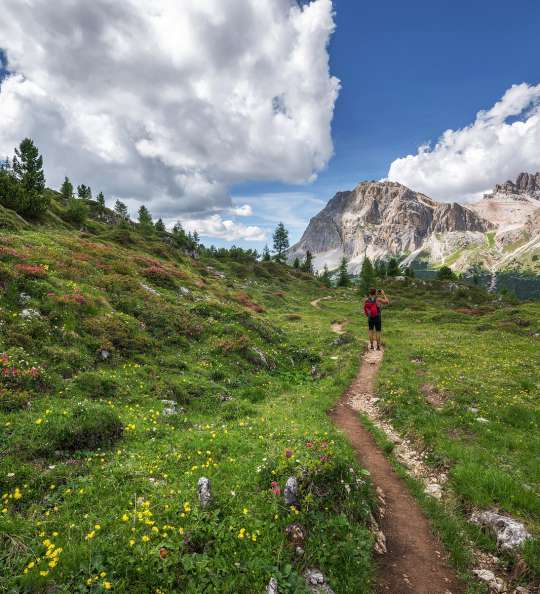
(316, 582)
(509, 533)
(290, 493)
(272, 587)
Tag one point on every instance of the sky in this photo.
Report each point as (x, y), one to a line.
(250, 112)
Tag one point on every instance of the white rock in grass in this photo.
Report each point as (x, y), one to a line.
(170, 408)
(482, 420)
(205, 492)
(30, 314)
(509, 532)
(149, 289)
(316, 582)
(290, 493)
(494, 583)
(272, 587)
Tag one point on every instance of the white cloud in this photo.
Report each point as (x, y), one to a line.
(241, 211)
(216, 226)
(465, 163)
(170, 102)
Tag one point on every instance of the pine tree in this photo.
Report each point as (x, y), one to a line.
(5, 165)
(266, 254)
(84, 192)
(66, 190)
(160, 226)
(392, 268)
(344, 280)
(325, 277)
(100, 200)
(281, 242)
(380, 269)
(307, 265)
(77, 210)
(145, 219)
(121, 211)
(367, 276)
(28, 171)
(296, 263)
(409, 272)
(445, 273)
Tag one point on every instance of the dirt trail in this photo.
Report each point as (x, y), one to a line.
(415, 562)
(315, 302)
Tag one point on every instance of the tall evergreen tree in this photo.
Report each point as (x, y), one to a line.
(380, 269)
(66, 189)
(392, 268)
(281, 242)
(445, 273)
(367, 275)
(296, 263)
(77, 210)
(344, 280)
(28, 171)
(266, 254)
(325, 277)
(121, 211)
(307, 264)
(145, 219)
(84, 192)
(160, 226)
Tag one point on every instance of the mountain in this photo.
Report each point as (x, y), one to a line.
(384, 219)
(381, 219)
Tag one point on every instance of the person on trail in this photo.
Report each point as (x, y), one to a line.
(372, 308)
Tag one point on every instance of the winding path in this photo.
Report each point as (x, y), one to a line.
(415, 562)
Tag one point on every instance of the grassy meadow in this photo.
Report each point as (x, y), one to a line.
(461, 378)
(98, 476)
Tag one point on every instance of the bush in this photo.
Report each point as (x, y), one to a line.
(96, 385)
(88, 426)
(445, 273)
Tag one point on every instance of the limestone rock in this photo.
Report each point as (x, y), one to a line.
(272, 587)
(290, 493)
(30, 314)
(509, 532)
(204, 491)
(316, 582)
(494, 583)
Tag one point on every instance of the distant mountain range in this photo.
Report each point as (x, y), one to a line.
(501, 232)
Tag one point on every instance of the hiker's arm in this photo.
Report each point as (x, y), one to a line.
(383, 298)
(365, 308)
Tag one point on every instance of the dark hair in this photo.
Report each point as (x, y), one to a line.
(372, 290)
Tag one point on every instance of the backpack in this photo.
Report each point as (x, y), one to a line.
(371, 307)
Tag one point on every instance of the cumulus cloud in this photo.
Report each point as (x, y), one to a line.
(465, 163)
(216, 226)
(169, 103)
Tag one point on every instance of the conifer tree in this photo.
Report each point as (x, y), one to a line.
(281, 242)
(296, 263)
(66, 190)
(84, 192)
(28, 171)
(325, 277)
(367, 275)
(100, 200)
(392, 268)
(160, 226)
(307, 265)
(344, 280)
(77, 210)
(121, 211)
(380, 269)
(145, 219)
(266, 254)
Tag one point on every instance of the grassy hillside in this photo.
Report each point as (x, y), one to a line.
(98, 475)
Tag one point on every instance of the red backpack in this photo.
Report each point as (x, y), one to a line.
(371, 308)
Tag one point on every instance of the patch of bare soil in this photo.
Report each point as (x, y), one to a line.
(414, 562)
(433, 396)
(338, 327)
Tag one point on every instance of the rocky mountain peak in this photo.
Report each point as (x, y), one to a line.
(525, 184)
(380, 219)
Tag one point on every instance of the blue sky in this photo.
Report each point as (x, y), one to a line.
(410, 70)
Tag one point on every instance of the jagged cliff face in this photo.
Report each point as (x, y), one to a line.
(381, 219)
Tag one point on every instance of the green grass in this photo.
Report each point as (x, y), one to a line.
(485, 358)
(98, 487)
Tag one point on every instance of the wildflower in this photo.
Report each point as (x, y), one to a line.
(288, 453)
(242, 533)
(44, 573)
(107, 585)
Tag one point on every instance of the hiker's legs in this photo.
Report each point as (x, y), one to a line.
(378, 328)
(371, 334)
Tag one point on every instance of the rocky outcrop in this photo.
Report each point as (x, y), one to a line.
(380, 219)
(526, 183)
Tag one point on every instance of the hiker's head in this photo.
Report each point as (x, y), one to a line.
(372, 291)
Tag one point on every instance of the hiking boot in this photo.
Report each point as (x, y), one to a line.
(371, 347)
(378, 348)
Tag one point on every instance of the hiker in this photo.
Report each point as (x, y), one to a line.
(372, 308)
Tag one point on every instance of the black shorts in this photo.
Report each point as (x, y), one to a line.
(375, 323)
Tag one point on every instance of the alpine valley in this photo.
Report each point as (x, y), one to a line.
(496, 236)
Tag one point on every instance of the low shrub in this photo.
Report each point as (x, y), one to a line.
(96, 385)
(87, 427)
